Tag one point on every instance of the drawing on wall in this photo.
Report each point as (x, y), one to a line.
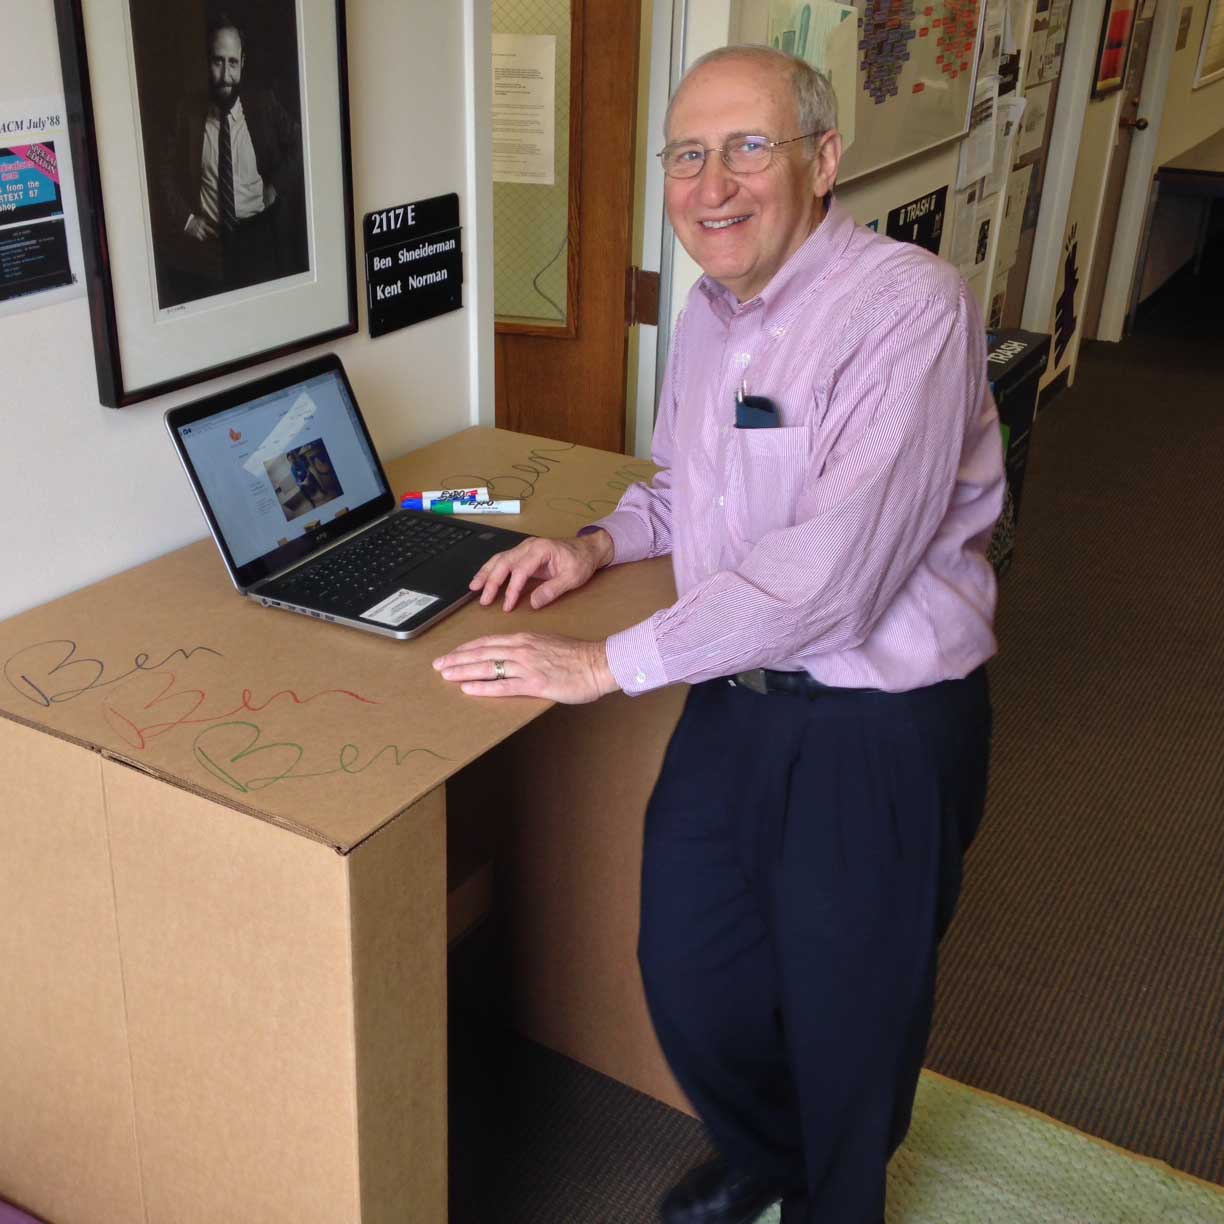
(1065, 320)
(912, 64)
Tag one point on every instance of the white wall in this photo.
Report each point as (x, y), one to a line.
(1190, 115)
(88, 491)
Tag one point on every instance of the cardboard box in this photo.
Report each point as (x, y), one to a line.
(223, 898)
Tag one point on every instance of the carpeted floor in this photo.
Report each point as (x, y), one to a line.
(1084, 974)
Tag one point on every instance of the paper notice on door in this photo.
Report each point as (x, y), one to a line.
(524, 108)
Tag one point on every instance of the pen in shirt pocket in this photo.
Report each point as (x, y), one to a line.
(754, 411)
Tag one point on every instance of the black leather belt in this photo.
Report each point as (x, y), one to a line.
(795, 684)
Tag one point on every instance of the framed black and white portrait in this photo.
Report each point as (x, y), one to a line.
(215, 191)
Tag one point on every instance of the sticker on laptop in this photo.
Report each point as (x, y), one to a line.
(400, 607)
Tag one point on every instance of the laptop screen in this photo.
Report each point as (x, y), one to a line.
(282, 471)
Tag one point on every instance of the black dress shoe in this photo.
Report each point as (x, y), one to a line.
(716, 1194)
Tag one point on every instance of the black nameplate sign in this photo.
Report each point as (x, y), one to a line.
(414, 262)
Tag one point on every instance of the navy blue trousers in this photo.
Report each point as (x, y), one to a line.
(802, 858)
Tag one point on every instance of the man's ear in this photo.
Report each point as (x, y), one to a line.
(825, 163)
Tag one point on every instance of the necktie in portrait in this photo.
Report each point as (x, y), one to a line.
(225, 179)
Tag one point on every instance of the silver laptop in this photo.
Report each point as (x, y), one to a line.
(302, 512)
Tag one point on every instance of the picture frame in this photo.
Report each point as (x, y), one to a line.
(1113, 47)
(207, 252)
(1210, 64)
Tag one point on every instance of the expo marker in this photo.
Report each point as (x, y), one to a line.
(509, 506)
(416, 500)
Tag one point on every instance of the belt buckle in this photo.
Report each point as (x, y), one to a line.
(753, 680)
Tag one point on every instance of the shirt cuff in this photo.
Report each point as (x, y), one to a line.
(633, 658)
(631, 537)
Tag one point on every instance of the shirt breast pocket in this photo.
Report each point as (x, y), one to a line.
(767, 474)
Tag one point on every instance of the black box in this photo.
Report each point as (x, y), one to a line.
(1015, 362)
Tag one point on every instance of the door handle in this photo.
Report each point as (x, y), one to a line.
(1140, 125)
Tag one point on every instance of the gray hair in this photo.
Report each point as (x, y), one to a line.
(815, 101)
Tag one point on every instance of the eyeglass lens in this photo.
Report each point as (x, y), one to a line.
(743, 155)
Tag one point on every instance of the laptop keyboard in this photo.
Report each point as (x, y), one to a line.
(365, 564)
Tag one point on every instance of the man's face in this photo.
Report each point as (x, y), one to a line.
(771, 212)
(225, 61)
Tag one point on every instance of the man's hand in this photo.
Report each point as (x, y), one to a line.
(200, 228)
(563, 564)
(269, 194)
(533, 664)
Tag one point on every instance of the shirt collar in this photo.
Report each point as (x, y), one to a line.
(235, 110)
(804, 269)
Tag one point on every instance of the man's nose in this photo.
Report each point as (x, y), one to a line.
(717, 182)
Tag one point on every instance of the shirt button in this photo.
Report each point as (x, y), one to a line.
(722, 501)
(640, 677)
(745, 359)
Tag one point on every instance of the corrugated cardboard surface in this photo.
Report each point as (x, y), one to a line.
(237, 974)
(575, 785)
(397, 891)
(67, 1122)
(212, 1017)
(325, 730)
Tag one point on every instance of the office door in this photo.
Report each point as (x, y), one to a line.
(549, 381)
(1130, 117)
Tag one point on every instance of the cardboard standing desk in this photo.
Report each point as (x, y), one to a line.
(224, 879)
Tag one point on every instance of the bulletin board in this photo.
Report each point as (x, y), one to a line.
(535, 223)
(904, 80)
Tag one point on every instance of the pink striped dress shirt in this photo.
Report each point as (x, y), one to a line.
(850, 541)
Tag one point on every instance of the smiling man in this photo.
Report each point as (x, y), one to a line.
(232, 195)
(832, 472)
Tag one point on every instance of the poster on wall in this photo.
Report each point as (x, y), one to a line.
(1011, 222)
(1114, 47)
(912, 68)
(40, 241)
(1032, 130)
(964, 229)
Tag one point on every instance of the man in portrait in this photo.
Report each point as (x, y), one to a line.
(232, 200)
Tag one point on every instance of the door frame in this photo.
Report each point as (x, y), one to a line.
(681, 33)
(1062, 157)
(1120, 286)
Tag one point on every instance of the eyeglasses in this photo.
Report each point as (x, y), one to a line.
(741, 155)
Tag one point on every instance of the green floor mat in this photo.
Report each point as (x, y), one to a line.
(971, 1158)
